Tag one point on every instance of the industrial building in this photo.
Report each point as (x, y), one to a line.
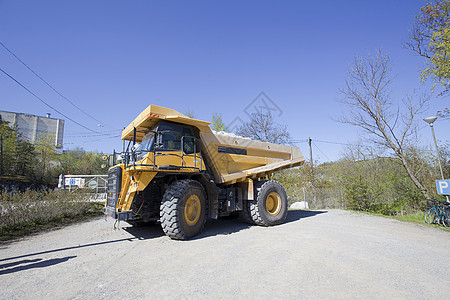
(32, 127)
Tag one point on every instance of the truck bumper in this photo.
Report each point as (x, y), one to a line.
(120, 216)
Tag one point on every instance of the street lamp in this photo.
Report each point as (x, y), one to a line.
(430, 120)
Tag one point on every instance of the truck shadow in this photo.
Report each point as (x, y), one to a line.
(145, 232)
(230, 226)
(221, 227)
(212, 228)
(295, 215)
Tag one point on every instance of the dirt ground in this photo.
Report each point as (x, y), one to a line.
(328, 254)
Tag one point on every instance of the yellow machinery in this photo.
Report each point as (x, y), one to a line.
(176, 170)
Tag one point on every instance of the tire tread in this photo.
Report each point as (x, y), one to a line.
(254, 207)
(169, 209)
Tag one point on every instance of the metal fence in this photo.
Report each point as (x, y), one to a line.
(319, 198)
(95, 185)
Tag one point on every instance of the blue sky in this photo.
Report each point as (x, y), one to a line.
(114, 58)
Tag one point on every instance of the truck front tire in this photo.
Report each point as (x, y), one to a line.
(183, 209)
(270, 205)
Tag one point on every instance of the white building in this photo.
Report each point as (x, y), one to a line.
(32, 127)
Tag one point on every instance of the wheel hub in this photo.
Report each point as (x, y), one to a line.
(192, 210)
(273, 203)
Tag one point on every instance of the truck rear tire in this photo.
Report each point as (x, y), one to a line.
(183, 209)
(270, 205)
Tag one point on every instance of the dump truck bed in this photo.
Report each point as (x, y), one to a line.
(235, 158)
(231, 158)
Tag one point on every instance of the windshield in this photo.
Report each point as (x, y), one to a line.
(139, 150)
(175, 137)
(166, 137)
(147, 141)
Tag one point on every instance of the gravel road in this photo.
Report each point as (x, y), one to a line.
(315, 254)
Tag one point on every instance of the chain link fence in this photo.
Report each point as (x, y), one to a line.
(319, 198)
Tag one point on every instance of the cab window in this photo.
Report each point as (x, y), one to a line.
(171, 138)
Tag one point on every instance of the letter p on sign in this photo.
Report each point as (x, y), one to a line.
(443, 187)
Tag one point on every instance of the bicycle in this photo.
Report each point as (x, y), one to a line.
(439, 213)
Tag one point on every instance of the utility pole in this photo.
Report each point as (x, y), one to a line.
(358, 151)
(312, 171)
(430, 120)
(1, 155)
(437, 152)
(1, 149)
(310, 154)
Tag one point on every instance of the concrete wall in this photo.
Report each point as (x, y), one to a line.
(31, 127)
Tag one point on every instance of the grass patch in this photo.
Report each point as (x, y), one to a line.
(24, 213)
(417, 218)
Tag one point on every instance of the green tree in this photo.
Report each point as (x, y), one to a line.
(78, 161)
(44, 170)
(217, 123)
(8, 140)
(39, 163)
(24, 158)
(189, 113)
(378, 185)
(16, 157)
(430, 38)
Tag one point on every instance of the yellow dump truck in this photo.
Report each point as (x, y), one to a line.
(179, 172)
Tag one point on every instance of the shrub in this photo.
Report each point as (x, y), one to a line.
(28, 211)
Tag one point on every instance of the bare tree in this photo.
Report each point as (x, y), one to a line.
(370, 107)
(262, 127)
(361, 151)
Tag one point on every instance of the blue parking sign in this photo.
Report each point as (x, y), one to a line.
(443, 187)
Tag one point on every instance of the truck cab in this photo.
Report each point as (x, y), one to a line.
(166, 145)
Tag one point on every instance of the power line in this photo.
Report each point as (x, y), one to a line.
(91, 141)
(50, 86)
(48, 105)
(321, 151)
(92, 135)
(326, 142)
(298, 141)
(335, 143)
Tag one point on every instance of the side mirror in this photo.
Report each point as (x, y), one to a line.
(136, 148)
(159, 140)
